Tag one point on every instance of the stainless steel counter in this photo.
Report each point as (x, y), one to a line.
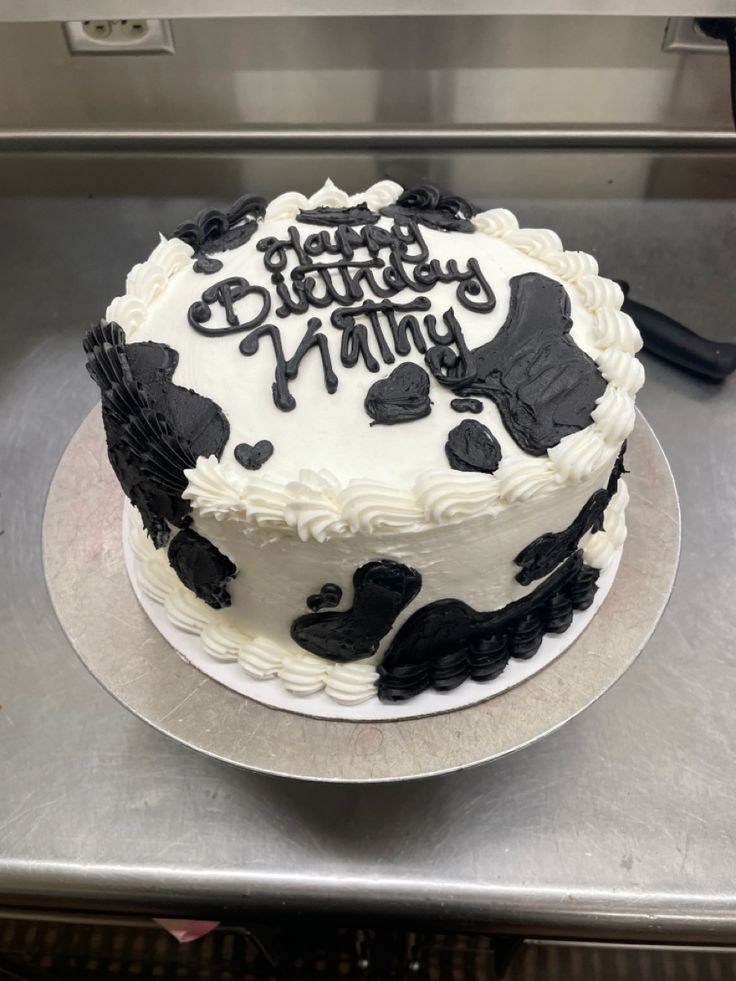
(621, 824)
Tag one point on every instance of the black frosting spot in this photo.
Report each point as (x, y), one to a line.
(401, 397)
(215, 231)
(382, 590)
(253, 457)
(155, 430)
(447, 641)
(472, 446)
(359, 214)
(202, 568)
(545, 387)
(547, 551)
(429, 206)
(467, 405)
(329, 596)
(618, 471)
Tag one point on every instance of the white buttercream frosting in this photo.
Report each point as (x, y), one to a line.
(601, 546)
(576, 456)
(599, 293)
(615, 330)
(621, 369)
(497, 222)
(261, 658)
(524, 479)
(572, 266)
(303, 673)
(450, 496)
(223, 641)
(146, 281)
(185, 610)
(128, 311)
(349, 683)
(536, 242)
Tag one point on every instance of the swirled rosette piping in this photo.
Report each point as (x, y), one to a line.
(146, 281)
(602, 545)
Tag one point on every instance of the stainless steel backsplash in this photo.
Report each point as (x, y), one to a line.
(439, 70)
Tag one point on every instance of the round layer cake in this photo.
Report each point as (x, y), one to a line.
(374, 442)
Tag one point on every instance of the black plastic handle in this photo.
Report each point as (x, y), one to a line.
(668, 339)
(723, 29)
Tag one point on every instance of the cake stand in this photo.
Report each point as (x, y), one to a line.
(96, 605)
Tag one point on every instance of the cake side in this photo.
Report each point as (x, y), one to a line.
(303, 673)
(486, 561)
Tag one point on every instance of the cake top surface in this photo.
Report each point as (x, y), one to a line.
(385, 360)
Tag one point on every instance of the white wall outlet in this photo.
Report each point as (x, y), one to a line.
(131, 36)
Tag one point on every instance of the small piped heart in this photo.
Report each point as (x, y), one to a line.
(401, 397)
(327, 598)
(253, 457)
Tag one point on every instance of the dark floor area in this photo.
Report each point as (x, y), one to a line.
(32, 950)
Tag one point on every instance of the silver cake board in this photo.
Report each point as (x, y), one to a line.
(113, 636)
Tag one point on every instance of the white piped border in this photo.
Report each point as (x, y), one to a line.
(299, 672)
(258, 669)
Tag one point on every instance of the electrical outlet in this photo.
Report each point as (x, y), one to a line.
(132, 36)
(683, 34)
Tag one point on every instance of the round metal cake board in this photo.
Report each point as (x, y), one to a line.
(97, 608)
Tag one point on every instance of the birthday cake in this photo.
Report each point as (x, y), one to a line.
(372, 444)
